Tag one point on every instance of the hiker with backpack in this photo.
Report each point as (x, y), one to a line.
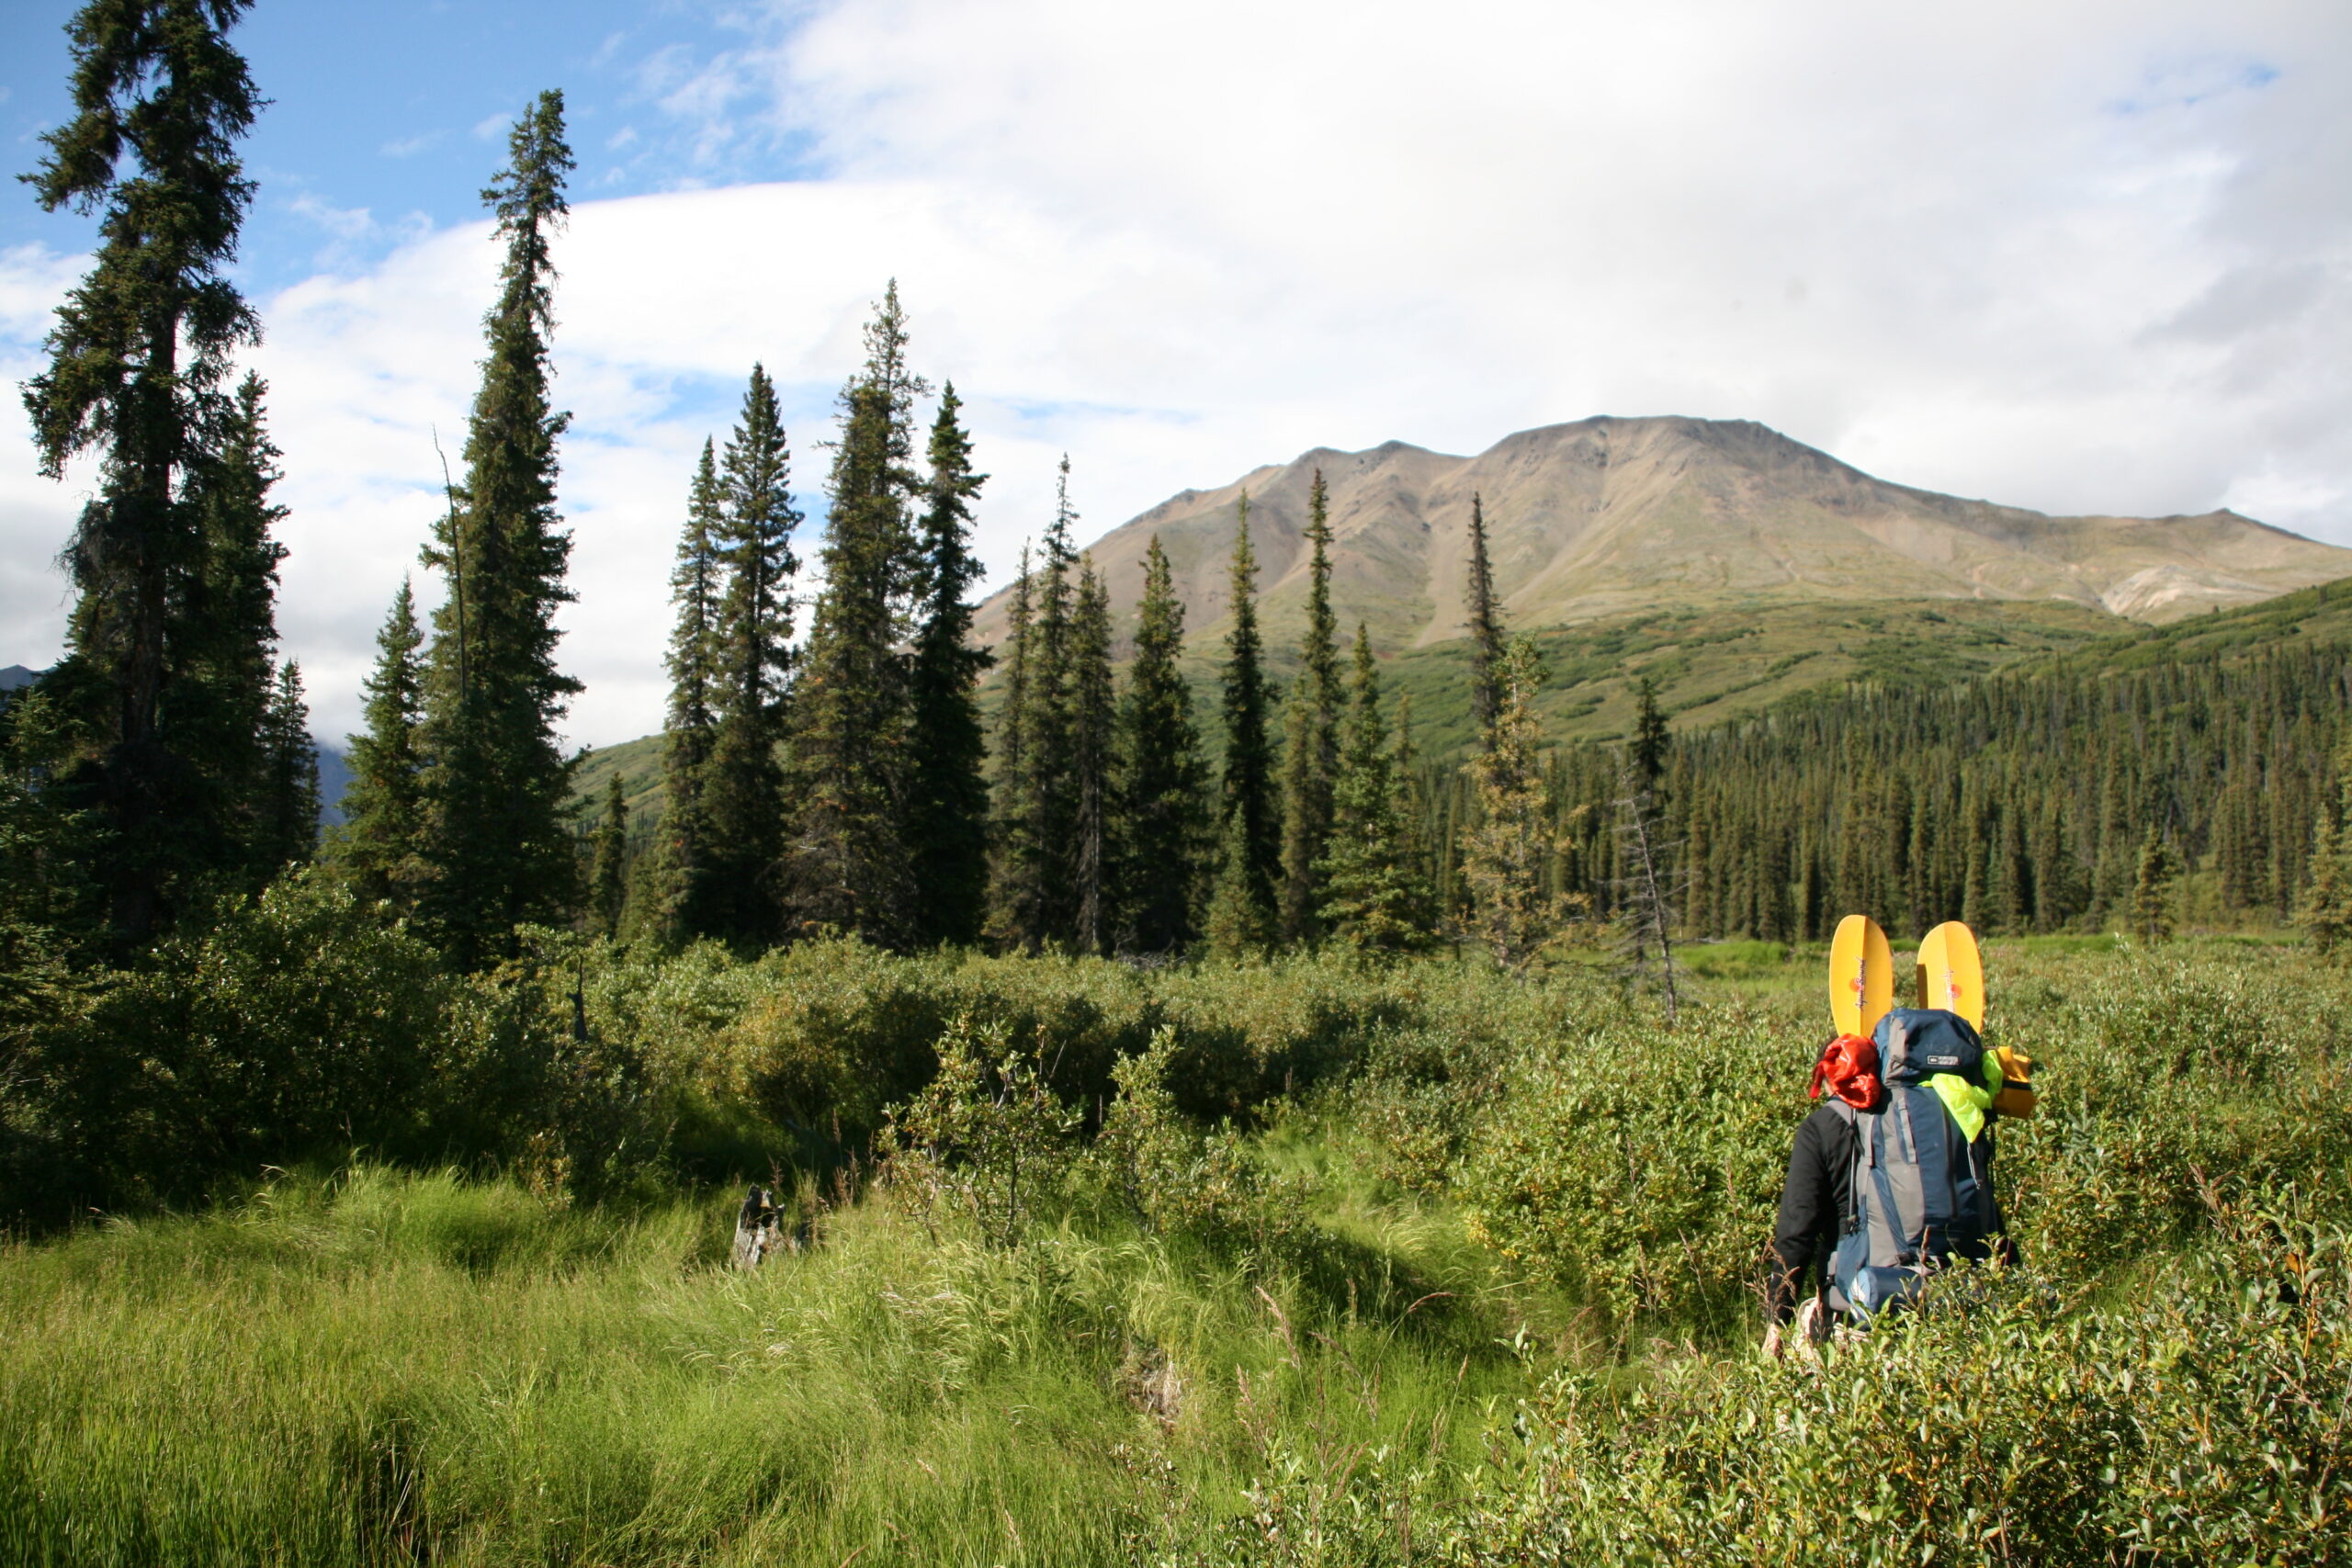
(1891, 1177)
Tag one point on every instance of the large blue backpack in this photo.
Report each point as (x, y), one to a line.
(1922, 1191)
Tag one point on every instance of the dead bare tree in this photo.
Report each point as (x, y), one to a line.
(1647, 891)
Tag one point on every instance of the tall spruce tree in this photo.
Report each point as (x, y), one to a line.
(497, 842)
(675, 896)
(947, 795)
(608, 870)
(2325, 909)
(1486, 626)
(1242, 912)
(1647, 755)
(1093, 713)
(2152, 887)
(1015, 897)
(848, 854)
(136, 358)
(383, 807)
(1375, 891)
(741, 800)
(1505, 857)
(223, 675)
(1052, 806)
(1163, 793)
(1311, 749)
(1035, 902)
(288, 829)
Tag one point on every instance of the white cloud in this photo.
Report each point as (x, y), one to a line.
(342, 222)
(410, 146)
(2089, 257)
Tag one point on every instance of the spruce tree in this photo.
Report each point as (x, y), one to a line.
(137, 358)
(223, 677)
(1486, 627)
(2151, 888)
(1239, 922)
(2326, 910)
(497, 843)
(741, 800)
(384, 804)
(1093, 713)
(1648, 754)
(1504, 856)
(947, 795)
(288, 829)
(676, 893)
(1014, 896)
(1310, 754)
(1034, 900)
(1242, 913)
(608, 874)
(1051, 808)
(1161, 814)
(848, 855)
(1375, 893)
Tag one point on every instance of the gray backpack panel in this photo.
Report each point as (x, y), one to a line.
(1918, 1199)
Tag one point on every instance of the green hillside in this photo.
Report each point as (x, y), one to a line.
(638, 762)
(1718, 662)
(1711, 663)
(2309, 616)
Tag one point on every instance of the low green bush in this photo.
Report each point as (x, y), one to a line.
(302, 1024)
(1639, 1168)
(2208, 1420)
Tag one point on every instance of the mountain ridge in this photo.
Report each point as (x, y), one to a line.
(1610, 516)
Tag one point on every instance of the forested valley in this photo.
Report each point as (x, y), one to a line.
(1203, 1122)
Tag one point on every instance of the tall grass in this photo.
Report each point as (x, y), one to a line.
(378, 1367)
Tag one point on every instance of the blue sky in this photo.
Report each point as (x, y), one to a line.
(2082, 255)
(387, 112)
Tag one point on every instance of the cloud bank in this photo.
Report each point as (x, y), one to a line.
(2092, 257)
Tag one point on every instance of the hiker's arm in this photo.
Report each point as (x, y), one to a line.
(1806, 1218)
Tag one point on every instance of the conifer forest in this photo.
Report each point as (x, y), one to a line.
(1191, 1114)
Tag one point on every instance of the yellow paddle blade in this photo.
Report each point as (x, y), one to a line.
(1861, 976)
(1951, 972)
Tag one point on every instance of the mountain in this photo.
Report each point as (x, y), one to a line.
(334, 777)
(1735, 567)
(1610, 516)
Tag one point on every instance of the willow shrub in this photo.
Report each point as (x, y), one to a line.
(1641, 1166)
(299, 1022)
(824, 1036)
(2171, 1083)
(1637, 1166)
(2206, 1420)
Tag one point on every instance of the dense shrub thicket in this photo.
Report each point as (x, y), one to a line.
(306, 1024)
(2205, 1418)
(1242, 1199)
(1644, 1168)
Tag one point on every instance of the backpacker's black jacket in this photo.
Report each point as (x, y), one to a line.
(1813, 1210)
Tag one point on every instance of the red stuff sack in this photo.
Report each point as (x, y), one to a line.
(1849, 1069)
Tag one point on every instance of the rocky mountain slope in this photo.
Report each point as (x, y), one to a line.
(1606, 516)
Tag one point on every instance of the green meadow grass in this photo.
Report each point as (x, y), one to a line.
(377, 1367)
